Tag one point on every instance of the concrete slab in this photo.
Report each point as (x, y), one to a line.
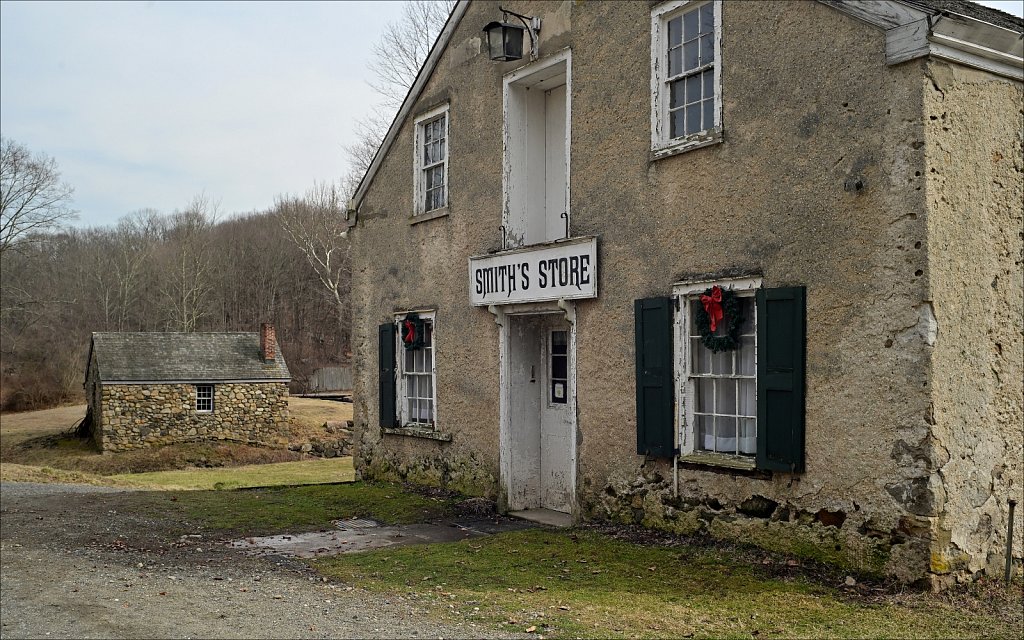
(357, 535)
(544, 516)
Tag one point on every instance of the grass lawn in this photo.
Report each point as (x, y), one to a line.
(586, 584)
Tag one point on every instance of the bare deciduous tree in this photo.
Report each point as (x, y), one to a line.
(403, 46)
(187, 279)
(315, 224)
(33, 199)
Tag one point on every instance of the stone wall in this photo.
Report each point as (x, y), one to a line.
(135, 416)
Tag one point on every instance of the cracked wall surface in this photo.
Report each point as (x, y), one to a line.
(810, 108)
(973, 129)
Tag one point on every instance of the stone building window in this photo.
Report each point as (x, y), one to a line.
(204, 398)
(431, 161)
(685, 75)
(416, 376)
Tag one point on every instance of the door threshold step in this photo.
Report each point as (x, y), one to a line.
(549, 517)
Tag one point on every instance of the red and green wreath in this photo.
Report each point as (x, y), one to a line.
(719, 309)
(413, 331)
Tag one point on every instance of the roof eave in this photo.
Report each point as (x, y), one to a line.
(410, 101)
(912, 31)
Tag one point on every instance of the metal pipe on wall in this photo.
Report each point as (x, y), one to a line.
(1009, 542)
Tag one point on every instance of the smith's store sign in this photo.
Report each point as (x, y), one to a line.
(563, 270)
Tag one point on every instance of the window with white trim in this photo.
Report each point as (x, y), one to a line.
(686, 99)
(431, 161)
(718, 414)
(204, 398)
(417, 405)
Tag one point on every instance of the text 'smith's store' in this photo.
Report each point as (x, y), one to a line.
(750, 270)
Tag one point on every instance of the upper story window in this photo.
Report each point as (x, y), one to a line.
(431, 160)
(686, 99)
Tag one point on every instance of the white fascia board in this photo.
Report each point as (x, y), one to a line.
(410, 100)
(913, 32)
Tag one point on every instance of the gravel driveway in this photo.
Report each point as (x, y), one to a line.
(77, 561)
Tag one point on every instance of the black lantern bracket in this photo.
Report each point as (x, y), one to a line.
(530, 24)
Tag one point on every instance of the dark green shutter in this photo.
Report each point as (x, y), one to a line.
(781, 343)
(386, 352)
(654, 416)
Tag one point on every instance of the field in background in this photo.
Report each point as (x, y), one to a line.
(40, 446)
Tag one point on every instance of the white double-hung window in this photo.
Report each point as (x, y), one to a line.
(204, 398)
(417, 400)
(686, 100)
(431, 161)
(718, 388)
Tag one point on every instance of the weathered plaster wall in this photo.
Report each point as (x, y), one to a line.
(810, 110)
(974, 157)
(136, 416)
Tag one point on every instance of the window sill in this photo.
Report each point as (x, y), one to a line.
(430, 215)
(418, 432)
(696, 141)
(707, 459)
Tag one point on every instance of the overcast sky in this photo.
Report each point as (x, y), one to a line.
(145, 105)
(149, 104)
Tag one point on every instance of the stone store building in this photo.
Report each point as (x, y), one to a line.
(149, 389)
(750, 270)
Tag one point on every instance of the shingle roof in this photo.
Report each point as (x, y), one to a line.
(974, 10)
(184, 357)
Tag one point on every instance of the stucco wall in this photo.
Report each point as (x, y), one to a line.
(135, 416)
(975, 186)
(810, 108)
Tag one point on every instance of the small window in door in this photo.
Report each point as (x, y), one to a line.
(559, 367)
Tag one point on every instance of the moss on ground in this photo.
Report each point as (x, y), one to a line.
(272, 510)
(570, 584)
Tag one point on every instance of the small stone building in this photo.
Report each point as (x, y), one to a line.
(749, 270)
(149, 389)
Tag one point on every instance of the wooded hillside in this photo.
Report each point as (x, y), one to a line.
(179, 272)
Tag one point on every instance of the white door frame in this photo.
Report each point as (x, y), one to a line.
(505, 401)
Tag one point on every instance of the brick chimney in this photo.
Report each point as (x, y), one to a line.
(268, 342)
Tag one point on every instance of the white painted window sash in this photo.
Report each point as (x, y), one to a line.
(662, 144)
(204, 398)
(420, 168)
(402, 376)
(684, 292)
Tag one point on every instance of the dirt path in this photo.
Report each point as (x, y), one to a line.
(80, 561)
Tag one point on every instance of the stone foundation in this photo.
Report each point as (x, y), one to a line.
(135, 416)
(466, 476)
(852, 540)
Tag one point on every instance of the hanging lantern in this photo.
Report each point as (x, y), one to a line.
(504, 41)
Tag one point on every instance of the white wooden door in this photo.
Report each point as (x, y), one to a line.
(556, 421)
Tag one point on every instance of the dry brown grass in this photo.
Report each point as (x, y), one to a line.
(16, 428)
(308, 416)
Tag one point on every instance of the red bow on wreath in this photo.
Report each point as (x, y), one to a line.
(713, 306)
(409, 335)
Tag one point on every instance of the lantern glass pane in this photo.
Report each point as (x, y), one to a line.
(513, 43)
